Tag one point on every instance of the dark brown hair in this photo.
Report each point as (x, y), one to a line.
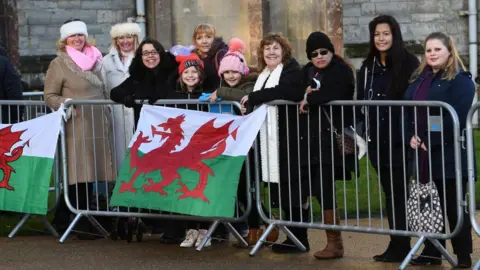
(269, 39)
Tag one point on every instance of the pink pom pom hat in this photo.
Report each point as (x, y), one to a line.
(234, 59)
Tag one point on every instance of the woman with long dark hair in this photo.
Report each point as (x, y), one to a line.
(385, 75)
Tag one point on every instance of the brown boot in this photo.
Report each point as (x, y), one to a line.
(273, 236)
(253, 236)
(334, 248)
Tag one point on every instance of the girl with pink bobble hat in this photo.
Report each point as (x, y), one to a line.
(236, 80)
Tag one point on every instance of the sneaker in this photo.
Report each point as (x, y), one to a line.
(190, 238)
(201, 235)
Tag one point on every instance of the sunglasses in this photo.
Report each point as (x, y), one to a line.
(319, 52)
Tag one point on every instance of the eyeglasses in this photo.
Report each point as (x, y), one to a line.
(319, 52)
(147, 53)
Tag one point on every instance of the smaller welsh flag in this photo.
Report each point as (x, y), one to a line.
(27, 150)
(186, 161)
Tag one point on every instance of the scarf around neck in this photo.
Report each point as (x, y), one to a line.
(87, 59)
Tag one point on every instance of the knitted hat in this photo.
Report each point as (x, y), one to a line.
(187, 61)
(318, 40)
(234, 59)
(73, 28)
(122, 29)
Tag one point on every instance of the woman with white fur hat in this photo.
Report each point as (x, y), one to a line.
(115, 71)
(75, 74)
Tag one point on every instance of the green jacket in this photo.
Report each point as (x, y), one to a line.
(244, 88)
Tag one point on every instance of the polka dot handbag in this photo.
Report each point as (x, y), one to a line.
(424, 211)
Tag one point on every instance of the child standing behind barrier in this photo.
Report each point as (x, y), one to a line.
(237, 80)
(189, 86)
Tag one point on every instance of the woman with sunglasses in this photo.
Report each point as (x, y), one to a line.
(385, 75)
(327, 77)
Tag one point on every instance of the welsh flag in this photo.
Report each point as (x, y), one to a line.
(186, 161)
(27, 150)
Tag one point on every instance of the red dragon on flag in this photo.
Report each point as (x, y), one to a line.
(207, 142)
(8, 139)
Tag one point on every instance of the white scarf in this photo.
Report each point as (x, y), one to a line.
(118, 61)
(269, 130)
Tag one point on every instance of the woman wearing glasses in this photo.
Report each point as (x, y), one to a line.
(150, 76)
(385, 75)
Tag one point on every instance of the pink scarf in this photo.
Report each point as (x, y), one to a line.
(85, 60)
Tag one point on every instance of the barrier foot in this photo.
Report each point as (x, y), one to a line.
(444, 252)
(412, 252)
(70, 228)
(19, 225)
(98, 226)
(262, 239)
(293, 238)
(477, 266)
(49, 227)
(208, 235)
(236, 234)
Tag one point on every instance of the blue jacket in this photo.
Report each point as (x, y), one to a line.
(458, 93)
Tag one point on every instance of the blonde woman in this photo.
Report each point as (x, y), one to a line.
(75, 74)
(441, 77)
(115, 71)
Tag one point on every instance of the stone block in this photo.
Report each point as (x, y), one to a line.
(23, 31)
(100, 28)
(431, 6)
(60, 16)
(355, 34)
(95, 5)
(120, 4)
(359, 1)
(88, 16)
(70, 4)
(24, 4)
(351, 1)
(428, 17)
(42, 17)
(351, 20)
(394, 7)
(44, 4)
(352, 10)
(22, 18)
(45, 31)
(106, 16)
(368, 9)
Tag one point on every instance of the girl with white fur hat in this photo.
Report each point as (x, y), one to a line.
(115, 71)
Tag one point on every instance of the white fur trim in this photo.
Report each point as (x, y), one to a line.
(121, 29)
(73, 28)
(269, 130)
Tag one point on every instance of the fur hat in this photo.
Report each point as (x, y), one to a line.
(186, 61)
(121, 29)
(73, 28)
(234, 59)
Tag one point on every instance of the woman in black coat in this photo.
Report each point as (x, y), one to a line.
(152, 74)
(326, 78)
(385, 75)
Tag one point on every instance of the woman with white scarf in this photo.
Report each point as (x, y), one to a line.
(114, 72)
(280, 79)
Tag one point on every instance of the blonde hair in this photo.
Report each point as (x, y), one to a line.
(269, 39)
(454, 61)
(62, 43)
(135, 44)
(203, 28)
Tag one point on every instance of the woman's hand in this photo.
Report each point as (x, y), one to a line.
(213, 97)
(302, 106)
(416, 142)
(244, 100)
(310, 89)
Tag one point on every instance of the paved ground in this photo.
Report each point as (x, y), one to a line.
(42, 252)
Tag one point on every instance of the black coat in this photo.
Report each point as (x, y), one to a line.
(337, 83)
(179, 93)
(211, 63)
(11, 88)
(384, 128)
(146, 84)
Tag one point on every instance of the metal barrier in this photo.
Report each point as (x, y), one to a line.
(300, 175)
(39, 111)
(471, 171)
(31, 105)
(93, 120)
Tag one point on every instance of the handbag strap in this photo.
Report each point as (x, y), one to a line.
(331, 124)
